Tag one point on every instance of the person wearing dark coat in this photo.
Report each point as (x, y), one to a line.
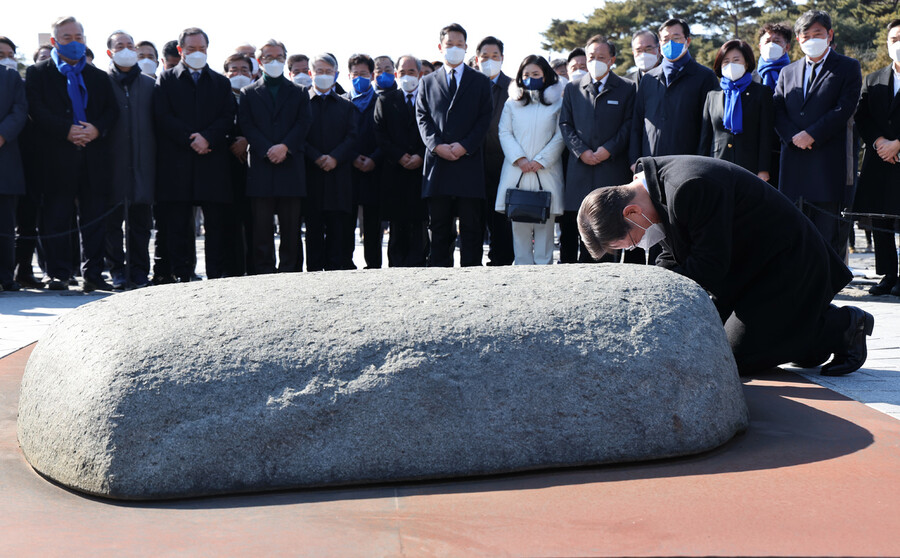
(738, 121)
(490, 59)
(330, 151)
(595, 121)
(774, 46)
(645, 50)
(194, 110)
(73, 109)
(403, 154)
(745, 243)
(454, 111)
(274, 116)
(878, 122)
(366, 172)
(13, 115)
(815, 99)
(133, 161)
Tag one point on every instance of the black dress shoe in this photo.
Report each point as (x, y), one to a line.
(12, 286)
(855, 352)
(58, 285)
(29, 281)
(95, 284)
(885, 286)
(162, 279)
(896, 290)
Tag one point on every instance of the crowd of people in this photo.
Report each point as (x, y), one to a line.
(271, 142)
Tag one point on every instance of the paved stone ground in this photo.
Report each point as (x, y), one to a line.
(26, 314)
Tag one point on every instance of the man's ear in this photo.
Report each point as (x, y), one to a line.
(631, 210)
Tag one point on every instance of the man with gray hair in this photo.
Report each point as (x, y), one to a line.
(73, 108)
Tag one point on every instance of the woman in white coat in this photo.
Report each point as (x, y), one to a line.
(532, 146)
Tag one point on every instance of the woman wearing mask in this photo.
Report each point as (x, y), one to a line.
(532, 148)
(738, 120)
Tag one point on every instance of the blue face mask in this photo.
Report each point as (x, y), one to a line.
(533, 84)
(672, 50)
(385, 80)
(361, 84)
(72, 51)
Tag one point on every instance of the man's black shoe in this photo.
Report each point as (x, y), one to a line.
(854, 356)
(887, 285)
(896, 290)
(162, 279)
(58, 285)
(95, 284)
(12, 286)
(29, 281)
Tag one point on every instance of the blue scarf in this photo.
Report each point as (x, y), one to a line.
(734, 115)
(362, 100)
(769, 70)
(670, 69)
(74, 85)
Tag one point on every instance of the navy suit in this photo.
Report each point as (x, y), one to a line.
(824, 174)
(454, 185)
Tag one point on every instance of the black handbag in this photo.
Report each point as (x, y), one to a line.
(528, 206)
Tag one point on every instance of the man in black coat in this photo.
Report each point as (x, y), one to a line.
(878, 122)
(13, 115)
(815, 99)
(645, 50)
(490, 59)
(73, 108)
(330, 151)
(454, 113)
(194, 110)
(403, 153)
(746, 244)
(274, 116)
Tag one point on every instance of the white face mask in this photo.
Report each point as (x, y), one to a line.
(575, 77)
(408, 83)
(653, 235)
(125, 58)
(10, 63)
(323, 81)
(597, 68)
(454, 55)
(645, 61)
(196, 60)
(274, 68)
(239, 82)
(733, 71)
(303, 79)
(814, 48)
(893, 50)
(254, 65)
(148, 66)
(491, 68)
(771, 51)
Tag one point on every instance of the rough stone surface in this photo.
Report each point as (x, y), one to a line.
(302, 380)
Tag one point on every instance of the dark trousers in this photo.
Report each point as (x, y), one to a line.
(885, 247)
(138, 242)
(407, 245)
(27, 208)
(500, 236)
(290, 251)
(325, 245)
(826, 218)
(372, 233)
(56, 220)
(176, 223)
(442, 210)
(7, 237)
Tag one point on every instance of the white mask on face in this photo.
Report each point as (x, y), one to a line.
(575, 77)
(733, 71)
(491, 68)
(893, 50)
(814, 48)
(653, 235)
(125, 58)
(303, 79)
(254, 65)
(196, 60)
(323, 81)
(771, 51)
(239, 82)
(408, 83)
(645, 61)
(274, 68)
(10, 63)
(597, 68)
(148, 66)
(454, 55)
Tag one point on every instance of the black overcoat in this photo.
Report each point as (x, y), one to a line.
(878, 115)
(332, 132)
(133, 142)
(398, 134)
(13, 115)
(752, 148)
(366, 185)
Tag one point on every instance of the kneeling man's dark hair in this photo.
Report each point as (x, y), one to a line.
(600, 219)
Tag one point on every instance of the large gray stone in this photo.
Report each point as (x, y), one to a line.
(345, 377)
